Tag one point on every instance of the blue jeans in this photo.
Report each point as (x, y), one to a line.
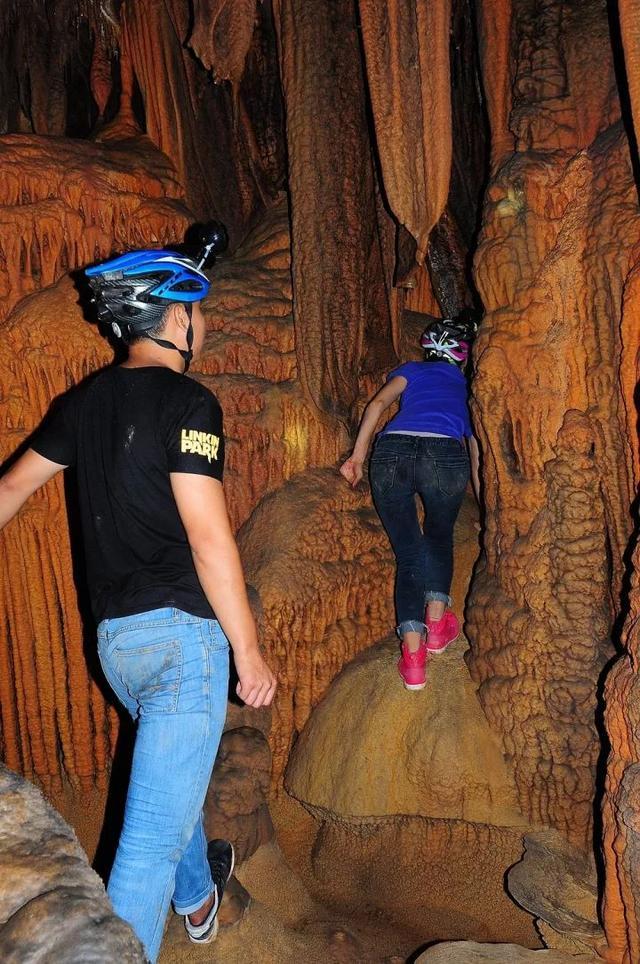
(170, 670)
(436, 469)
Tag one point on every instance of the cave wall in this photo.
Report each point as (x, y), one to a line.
(353, 108)
(558, 243)
(63, 204)
(621, 796)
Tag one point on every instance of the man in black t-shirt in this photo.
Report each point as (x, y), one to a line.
(164, 576)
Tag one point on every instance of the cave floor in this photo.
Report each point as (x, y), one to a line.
(283, 923)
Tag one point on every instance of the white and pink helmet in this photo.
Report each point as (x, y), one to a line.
(449, 339)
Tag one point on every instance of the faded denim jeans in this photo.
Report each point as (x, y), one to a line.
(436, 469)
(170, 670)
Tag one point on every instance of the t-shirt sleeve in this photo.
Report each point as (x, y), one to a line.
(403, 370)
(55, 438)
(194, 439)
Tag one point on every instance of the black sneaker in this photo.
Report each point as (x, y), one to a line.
(221, 860)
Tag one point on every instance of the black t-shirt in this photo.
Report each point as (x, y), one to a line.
(125, 430)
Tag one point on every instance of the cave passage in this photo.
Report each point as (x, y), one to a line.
(378, 166)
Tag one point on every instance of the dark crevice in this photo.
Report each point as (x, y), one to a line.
(623, 87)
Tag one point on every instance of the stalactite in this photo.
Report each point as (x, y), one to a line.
(407, 59)
(494, 35)
(221, 36)
(226, 175)
(338, 264)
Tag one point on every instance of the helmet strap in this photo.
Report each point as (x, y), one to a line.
(186, 355)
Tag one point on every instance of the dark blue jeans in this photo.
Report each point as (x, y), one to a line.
(436, 469)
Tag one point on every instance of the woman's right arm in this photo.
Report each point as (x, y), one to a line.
(474, 459)
(388, 394)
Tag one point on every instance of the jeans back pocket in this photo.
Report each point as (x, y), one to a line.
(382, 474)
(452, 475)
(151, 673)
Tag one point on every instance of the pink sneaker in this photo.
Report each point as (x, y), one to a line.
(413, 667)
(441, 632)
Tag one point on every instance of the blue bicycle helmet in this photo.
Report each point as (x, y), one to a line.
(132, 292)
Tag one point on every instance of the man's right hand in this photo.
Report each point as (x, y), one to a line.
(257, 683)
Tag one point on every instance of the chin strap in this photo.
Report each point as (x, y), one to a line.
(186, 355)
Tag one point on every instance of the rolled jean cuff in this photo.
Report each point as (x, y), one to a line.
(191, 908)
(437, 597)
(410, 626)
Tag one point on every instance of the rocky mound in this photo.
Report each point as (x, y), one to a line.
(372, 750)
(55, 908)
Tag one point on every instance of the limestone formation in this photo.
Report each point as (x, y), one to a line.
(64, 205)
(236, 174)
(621, 832)
(236, 807)
(327, 207)
(375, 767)
(321, 566)
(342, 238)
(370, 752)
(411, 108)
(52, 905)
(273, 431)
(557, 882)
(556, 461)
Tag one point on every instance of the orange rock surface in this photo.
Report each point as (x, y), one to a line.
(621, 798)
(558, 242)
(64, 204)
(235, 174)
(411, 107)
(345, 322)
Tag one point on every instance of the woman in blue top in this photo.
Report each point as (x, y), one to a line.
(422, 451)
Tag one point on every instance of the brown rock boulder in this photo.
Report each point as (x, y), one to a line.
(557, 882)
(53, 907)
(236, 806)
(372, 750)
(415, 808)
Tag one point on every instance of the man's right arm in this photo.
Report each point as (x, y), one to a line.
(203, 511)
(23, 478)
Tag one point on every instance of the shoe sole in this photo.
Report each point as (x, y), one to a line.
(414, 686)
(213, 933)
(434, 652)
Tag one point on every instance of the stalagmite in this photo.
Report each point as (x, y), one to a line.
(557, 480)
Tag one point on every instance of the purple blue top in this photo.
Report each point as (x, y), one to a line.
(434, 401)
